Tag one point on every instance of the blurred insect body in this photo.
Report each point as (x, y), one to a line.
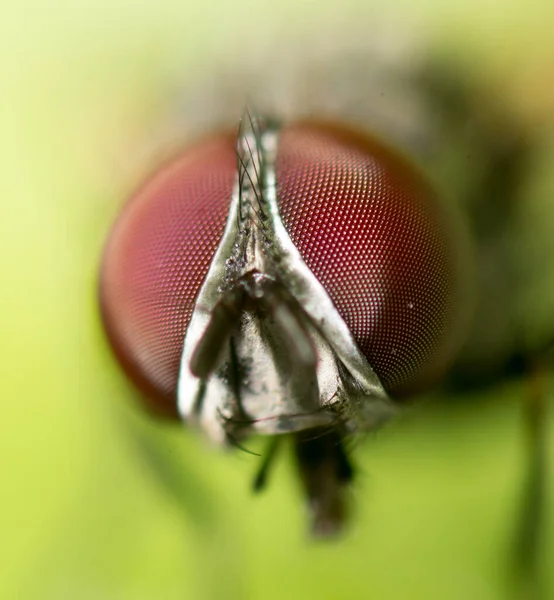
(337, 281)
(270, 344)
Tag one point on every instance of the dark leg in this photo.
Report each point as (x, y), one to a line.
(326, 473)
(529, 537)
(260, 480)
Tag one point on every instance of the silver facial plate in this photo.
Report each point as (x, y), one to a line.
(266, 350)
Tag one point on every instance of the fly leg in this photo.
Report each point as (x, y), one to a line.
(529, 541)
(325, 472)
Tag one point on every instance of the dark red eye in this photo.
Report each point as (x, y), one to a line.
(375, 235)
(156, 259)
(367, 226)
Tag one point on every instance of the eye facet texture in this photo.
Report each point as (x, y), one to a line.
(374, 234)
(364, 222)
(155, 262)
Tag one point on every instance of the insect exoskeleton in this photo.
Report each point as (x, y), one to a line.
(297, 278)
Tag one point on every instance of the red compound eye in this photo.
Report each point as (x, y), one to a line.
(374, 234)
(156, 259)
(365, 223)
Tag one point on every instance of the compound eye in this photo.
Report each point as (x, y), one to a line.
(156, 259)
(387, 252)
(365, 223)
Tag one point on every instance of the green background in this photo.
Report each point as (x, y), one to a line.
(85, 510)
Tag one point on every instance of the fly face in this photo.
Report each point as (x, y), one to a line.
(300, 279)
(266, 350)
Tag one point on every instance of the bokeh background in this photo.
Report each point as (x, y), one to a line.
(97, 501)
